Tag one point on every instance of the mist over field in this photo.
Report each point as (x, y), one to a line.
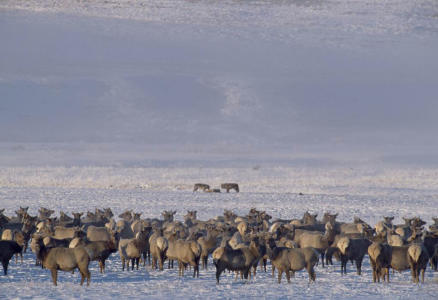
(284, 81)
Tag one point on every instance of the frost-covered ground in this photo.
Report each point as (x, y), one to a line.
(369, 194)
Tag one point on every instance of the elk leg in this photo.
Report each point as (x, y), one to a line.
(54, 276)
(312, 275)
(82, 276)
(359, 266)
(5, 264)
(218, 274)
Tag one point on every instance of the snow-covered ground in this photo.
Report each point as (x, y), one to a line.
(128, 103)
(369, 194)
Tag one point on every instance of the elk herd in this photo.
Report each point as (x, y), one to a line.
(235, 243)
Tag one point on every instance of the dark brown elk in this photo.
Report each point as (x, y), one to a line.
(434, 258)
(17, 236)
(429, 240)
(22, 211)
(77, 219)
(3, 219)
(168, 215)
(124, 230)
(380, 259)
(44, 213)
(7, 250)
(418, 259)
(236, 260)
(28, 229)
(352, 249)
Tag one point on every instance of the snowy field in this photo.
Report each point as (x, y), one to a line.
(360, 192)
(128, 103)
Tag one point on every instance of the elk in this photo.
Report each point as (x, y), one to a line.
(380, 259)
(317, 240)
(132, 249)
(7, 250)
(208, 244)
(352, 249)
(158, 248)
(168, 215)
(417, 258)
(17, 236)
(100, 251)
(236, 260)
(44, 213)
(95, 234)
(188, 252)
(296, 259)
(64, 259)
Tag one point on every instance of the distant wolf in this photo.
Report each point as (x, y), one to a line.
(230, 186)
(201, 186)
